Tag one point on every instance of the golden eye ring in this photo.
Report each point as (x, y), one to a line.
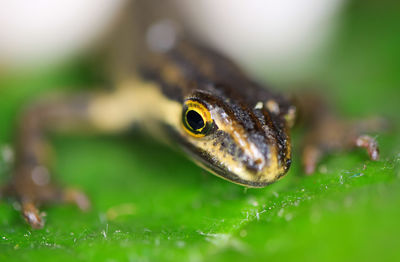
(196, 118)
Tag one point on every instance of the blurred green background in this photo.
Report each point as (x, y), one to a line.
(151, 204)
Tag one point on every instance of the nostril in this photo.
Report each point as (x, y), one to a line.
(258, 164)
(258, 161)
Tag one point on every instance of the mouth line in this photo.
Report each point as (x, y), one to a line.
(204, 160)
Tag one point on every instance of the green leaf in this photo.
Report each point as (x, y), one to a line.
(152, 204)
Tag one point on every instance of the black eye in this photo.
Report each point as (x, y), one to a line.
(194, 120)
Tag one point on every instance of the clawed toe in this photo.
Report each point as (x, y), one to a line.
(332, 136)
(32, 216)
(31, 197)
(311, 157)
(370, 144)
(78, 198)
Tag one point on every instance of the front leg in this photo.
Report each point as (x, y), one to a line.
(327, 132)
(31, 182)
(333, 134)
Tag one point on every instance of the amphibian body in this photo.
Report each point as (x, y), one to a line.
(194, 99)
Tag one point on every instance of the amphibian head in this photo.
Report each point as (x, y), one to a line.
(237, 141)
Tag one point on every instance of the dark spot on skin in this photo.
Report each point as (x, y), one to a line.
(240, 153)
(232, 148)
(288, 163)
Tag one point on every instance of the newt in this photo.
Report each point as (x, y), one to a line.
(196, 100)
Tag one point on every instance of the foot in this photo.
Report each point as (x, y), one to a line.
(32, 188)
(332, 134)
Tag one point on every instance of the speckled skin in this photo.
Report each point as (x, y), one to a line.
(248, 142)
(216, 82)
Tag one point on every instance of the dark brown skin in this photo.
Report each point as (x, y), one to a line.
(30, 183)
(206, 76)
